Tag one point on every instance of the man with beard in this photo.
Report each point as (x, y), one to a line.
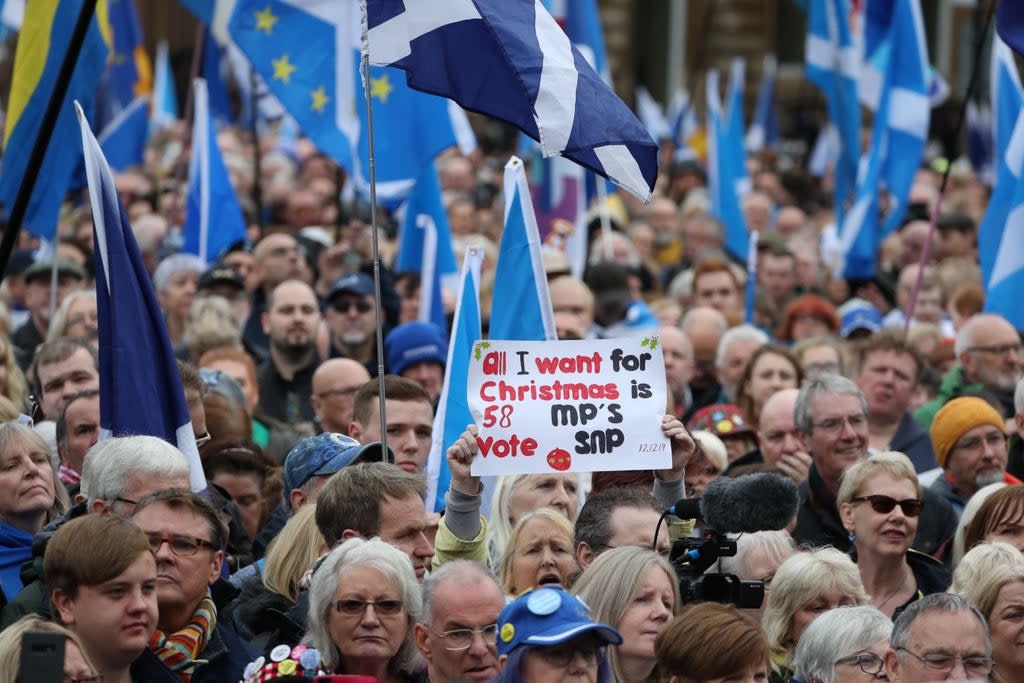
(991, 360)
(351, 320)
(286, 379)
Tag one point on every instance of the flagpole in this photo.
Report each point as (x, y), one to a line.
(257, 188)
(12, 226)
(378, 317)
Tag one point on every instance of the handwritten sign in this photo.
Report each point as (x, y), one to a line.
(568, 406)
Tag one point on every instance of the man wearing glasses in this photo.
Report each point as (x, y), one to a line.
(940, 637)
(335, 384)
(461, 604)
(991, 359)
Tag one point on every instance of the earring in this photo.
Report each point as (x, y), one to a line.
(852, 537)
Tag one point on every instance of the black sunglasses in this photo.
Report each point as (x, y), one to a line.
(346, 306)
(884, 504)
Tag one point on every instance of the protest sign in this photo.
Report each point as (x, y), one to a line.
(568, 406)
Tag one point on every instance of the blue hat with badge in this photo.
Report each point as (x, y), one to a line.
(325, 454)
(548, 616)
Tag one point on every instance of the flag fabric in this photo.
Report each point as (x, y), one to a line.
(1001, 252)
(129, 73)
(123, 140)
(980, 146)
(165, 100)
(425, 245)
(651, 114)
(1010, 24)
(509, 59)
(831, 57)
(45, 35)
(521, 308)
(216, 86)
(685, 128)
(825, 152)
(751, 288)
(735, 128)
(140, 388)
(213, 216)
(582, 23)
(453, 407)
(764, 128)
(723, 178)
(559, 191)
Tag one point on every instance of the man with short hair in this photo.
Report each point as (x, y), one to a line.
(410, 420)
(572, 297)
(616, 517)
(734, 350)
(780, 443)
(888, 371)
(939, 637)
(704, 327)
(335, 384)
(715, 285)
(418, 351)
(678, 353)
(776, 273)
(457, 636)
(991, 359)
(351, 320)
(286, 379)
(63, 368)
(275, 258)
(78, 428)
(187, 537)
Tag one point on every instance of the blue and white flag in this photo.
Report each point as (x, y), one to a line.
(214, 72)
(723, 178)
(684, 126)
(651, 114)
(165, 100)
(510, 59)
(980, 144)
(764, 128)
(1001, 252)
(140, 388)
(1010, 24)
(425, 245)
(123, 140)
(213, 216)
(735, 129)
(453, 414)
(559, 193)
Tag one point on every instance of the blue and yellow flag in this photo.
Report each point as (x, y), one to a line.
(44, 38)
(129, 72)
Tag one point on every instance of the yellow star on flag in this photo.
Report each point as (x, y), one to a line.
(320, 99)
(283, 69)
(265, 20)
(381, 88)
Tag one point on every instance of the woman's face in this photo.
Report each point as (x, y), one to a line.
(536, 491)
(26, 484)
(820, 360)
(1009, 529)
(700, 472)
(81, 319)
(884, 534)
(771, 373)
(855, 667)
(177, 297)
(1007, 626)
(75, 666)
(542, 555)
(814, 608)
(573, 662)
(650, 610)
(370, 635)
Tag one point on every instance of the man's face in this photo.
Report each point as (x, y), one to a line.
(569, 296)
(114, 619)
(678, 358)
(403, 524)
(137, 486)
(934, 633)
(705, 346)
(839, 434)
(291, 322)
(458, 606)
(334, 389)
(977, 459)
(351, 318)
(700, 234)
(888, 379)
(428, 374)
(410, 429)
(37, 293)
(276, 259)
(60, 380)
(777, 275)
(734, 362)
(635, 526)
(82, 422)
(718, 291)
(995, 358)
(778, 435)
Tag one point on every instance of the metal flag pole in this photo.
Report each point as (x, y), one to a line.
(378, 317)
(257, 186)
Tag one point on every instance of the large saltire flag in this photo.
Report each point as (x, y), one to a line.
(724, 179)
(1002, 250)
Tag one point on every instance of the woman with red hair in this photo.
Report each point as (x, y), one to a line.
(808, 316)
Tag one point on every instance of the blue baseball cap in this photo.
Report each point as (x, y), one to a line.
(353, 283)
(325, 454)
(548, 616)
(413, 343)
(865, 317)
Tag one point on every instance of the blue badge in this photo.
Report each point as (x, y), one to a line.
(543, 602)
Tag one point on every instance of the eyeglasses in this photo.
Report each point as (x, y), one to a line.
(834, 425)
(462, 638)
(356, 608)
(1000, 350)
(344, 306)
(559, 656)
(884, 504)
(995, 440)
(182, 546)
(869, 663)
(341, 393)
(975, 666)
(203, 439)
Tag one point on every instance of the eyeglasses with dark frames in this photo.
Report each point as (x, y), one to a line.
(869, 663)
(182, 546)
(356, 608)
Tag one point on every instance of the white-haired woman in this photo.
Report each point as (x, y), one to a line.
(758, 556)
(363, 603)
(176, 280)
(846, 645)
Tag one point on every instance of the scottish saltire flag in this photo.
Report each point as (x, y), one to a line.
(685, 128)
(582, 23)
(425, 245)
(832, 64)
(45, 34)
(980, 147)
(825, 152)
(453, 414)
(140, 388)
(559, 191)
(165, 100)
(876, 28)
(735, 129)
(129, 73)
(764, 128)
(123, 139)
(510, 59)
(723, 177)
(651, 114)
(1001, 251)
(1010, 24)
(213, 216)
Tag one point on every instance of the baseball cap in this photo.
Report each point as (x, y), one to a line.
(64, 267)
(221, 275)
(721, 419)
(415, 342)
(353, 283)
(548, 616)
(860, 317)
(325, 454)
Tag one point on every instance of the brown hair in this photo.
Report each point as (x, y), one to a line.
(810, 305)
(713, 265)
(967, 299)
(91, 550)
(182, 499)
(691, 645)
(1005, 505)
(230, 353)
(352, 496)
(395, 389)
(743, 398)
(889, 339)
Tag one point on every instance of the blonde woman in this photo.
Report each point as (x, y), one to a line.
(13, 386)
(540, 552)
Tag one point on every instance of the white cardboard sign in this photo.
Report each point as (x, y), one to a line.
(568, 406)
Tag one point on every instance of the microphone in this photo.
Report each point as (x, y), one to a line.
(752, 502)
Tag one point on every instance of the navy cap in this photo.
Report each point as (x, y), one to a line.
(221, 275)
(353, 283)
(548, 616)
(413, 343)
(325, 454)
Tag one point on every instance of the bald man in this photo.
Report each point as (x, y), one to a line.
(335, 384)
(704, 326)
(780, 442)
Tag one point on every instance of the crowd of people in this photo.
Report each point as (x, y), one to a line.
(894, 404)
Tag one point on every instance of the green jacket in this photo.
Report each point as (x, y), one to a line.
(954, 384)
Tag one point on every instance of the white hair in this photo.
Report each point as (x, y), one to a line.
(836, 634)
(745, 332)
(110, 462)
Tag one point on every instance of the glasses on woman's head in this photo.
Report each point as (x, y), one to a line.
(356, 608)
(462, 638)
(884, 504)
(559, 656)
(869, 663)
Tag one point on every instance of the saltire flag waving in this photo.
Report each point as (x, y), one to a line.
(140, 388)
(764, 129)
(1001, 251)
(509, 59)
(724, 180)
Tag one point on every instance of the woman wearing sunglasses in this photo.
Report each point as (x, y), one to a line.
(880, 505)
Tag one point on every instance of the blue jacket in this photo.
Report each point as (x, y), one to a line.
(227, 656)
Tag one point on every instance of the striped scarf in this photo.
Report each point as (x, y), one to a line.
(178, 651)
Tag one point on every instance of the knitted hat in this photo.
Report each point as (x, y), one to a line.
(958, 417)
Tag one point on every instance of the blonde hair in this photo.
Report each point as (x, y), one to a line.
(609, 586)
(15, 388)
(553, 516)
(893, 463)
(292, 552)
(11, 637)
(499, 531)
(979, 567)
(713, 447)
(210, 324)
(13, 434)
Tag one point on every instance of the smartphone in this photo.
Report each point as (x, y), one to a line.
(42, 658)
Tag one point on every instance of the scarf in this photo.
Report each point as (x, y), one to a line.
(179, 650)
(69, 476)
(15, 550)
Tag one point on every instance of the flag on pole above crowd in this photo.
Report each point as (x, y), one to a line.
(690, 140)
(764, 127)
(123, 139)
(1001, 242)
(165, 100)
(652, 115)
(140, 389)
(1010, 24)
(129, 73)
(724, 179)
(509, 59)
(735, 129)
